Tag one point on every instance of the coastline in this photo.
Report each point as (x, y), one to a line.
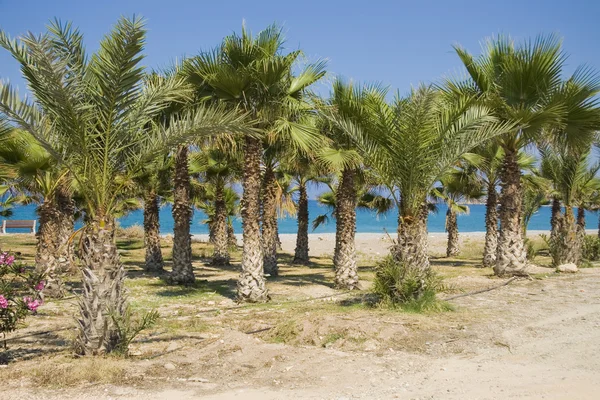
(377, 244)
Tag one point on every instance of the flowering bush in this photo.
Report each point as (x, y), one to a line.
(20, 292)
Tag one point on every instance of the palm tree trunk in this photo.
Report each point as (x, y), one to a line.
(491, 227)
(412, 239)
(183, 273)
(301, 252)
(231, 239)
(344, 258)
(221, 250)
(452, 248)
(566, 243)
(102, 299)
(511, 257)
(555, 214)
(251, 284)
(269, 222)
(580, 227)
(54, 253)
(46, 257)
(154, 259)
(211, 231)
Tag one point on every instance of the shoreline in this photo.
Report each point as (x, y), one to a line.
(375, 245)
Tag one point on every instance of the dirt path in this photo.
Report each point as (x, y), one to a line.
(534, 340)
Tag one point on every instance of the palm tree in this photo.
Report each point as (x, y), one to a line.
(154, 183)
(252, 74)
(182, 272)
(96, 117)
(303, 170)
(521, 84)
(411, 144)
(458, 185)
(488, 160)
(367, 198)
(218, 167)
(43, 181)
(346, 102)
(573, 180)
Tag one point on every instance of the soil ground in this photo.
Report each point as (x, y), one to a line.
(531, 339)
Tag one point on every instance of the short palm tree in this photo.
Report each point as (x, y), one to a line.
(96, 116)
(573, 180)
(154, 183)
(303, 170)
(217, 167)
(460, 184)
(252, 74)
(521, 84)
(43, 181)
(411, 144)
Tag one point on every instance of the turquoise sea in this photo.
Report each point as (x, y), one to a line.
(365, 221)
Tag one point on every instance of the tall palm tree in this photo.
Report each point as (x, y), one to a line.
(182, 272)
(521, 84)
(346, 102)
(488, 160)
(411, 144)
(254, 75)
(96, 116)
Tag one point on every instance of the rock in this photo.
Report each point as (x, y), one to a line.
(567, 268)
(211, 303)
(170, 366)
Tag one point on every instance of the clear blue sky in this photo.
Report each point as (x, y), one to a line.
(397, 43)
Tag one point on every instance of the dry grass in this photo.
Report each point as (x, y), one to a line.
(305, 310)
(65, 372)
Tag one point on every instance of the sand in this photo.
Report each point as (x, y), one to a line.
(378, 244)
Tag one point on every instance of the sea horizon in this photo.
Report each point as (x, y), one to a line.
(366, 221)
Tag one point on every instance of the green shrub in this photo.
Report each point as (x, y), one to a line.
(530, 249)
(411, 289)
(129, 327)
(590, 249)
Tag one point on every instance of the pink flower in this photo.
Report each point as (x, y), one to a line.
(9, 260)
(2, 257)
(3, 302)
(32, 304)
(40, 286)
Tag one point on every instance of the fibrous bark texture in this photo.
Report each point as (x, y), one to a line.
(452, 249)
(491, 227)
(344, 258)
(269, 223)
(511, 257)
(301, 252)
(220, 239)
(154, 259)
(103, 296)
(251, 285)
(183, 273)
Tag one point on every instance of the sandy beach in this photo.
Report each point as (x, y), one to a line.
(377, 244)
